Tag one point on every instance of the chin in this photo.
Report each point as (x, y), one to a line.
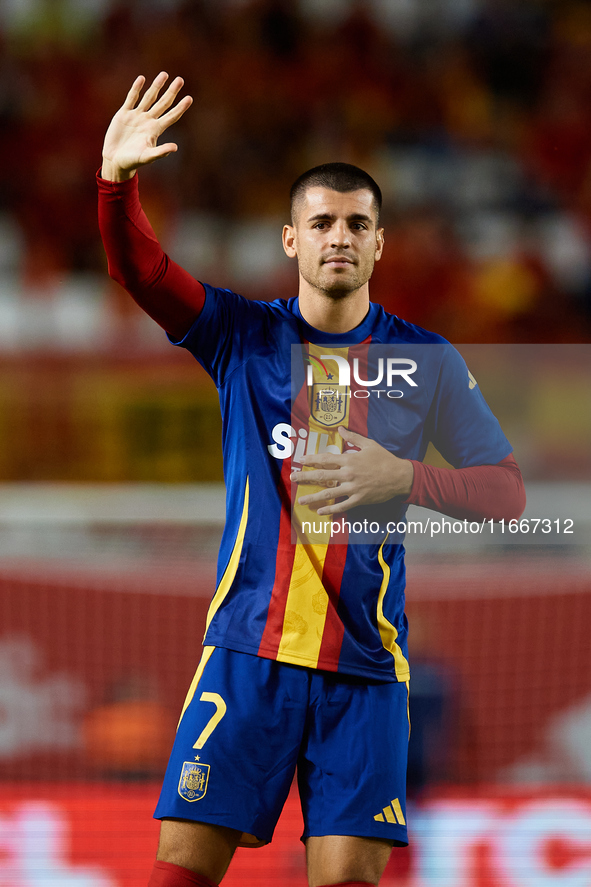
(336, 288)
(339, 289)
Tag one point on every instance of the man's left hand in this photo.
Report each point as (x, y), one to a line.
(365, 476)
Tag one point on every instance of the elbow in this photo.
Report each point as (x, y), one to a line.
(512, 505)
(522, 500)
(116, 268)
(116, 275)
(128, 278)
(134, 272)
(515, 506)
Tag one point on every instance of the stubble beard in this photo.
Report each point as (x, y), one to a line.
(334, 288)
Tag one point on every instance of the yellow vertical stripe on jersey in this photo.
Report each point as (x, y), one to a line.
(230, 571)
(312, 528)
(306, 607)
(388, 633)
(307, 600)
(207, 651)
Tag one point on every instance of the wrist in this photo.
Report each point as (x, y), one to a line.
(113, 173)
(418, 472)
(407, 473)
(398, 475)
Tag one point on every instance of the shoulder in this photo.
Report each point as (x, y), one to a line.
(438, 358)
(227, 297)
(226, 304)
(391, 328)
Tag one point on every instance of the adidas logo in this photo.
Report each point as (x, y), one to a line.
(391, 813)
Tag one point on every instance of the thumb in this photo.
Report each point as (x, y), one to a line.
(150, 154)
(352, 437)
(159, 151)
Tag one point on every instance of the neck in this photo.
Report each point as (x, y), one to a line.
(332, 313)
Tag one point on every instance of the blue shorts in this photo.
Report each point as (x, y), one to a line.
(248, 722)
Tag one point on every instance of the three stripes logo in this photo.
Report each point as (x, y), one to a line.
(391, 813)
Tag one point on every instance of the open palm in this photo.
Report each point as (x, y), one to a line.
(132, 137)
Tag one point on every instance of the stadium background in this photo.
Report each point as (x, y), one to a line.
(474, 116)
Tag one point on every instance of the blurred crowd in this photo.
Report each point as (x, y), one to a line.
(473, 115)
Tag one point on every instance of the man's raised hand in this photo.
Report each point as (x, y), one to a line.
(132, 137)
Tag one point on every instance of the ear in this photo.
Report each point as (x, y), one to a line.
(289, 241)
(379, 243)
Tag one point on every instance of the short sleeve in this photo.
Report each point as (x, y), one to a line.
(464, 429)
(228, 330)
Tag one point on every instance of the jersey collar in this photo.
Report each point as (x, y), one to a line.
(352, 337)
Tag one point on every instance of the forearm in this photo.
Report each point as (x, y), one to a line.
(478, 493)
(165, 291)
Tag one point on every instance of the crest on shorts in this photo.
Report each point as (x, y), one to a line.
(329, 403)
(193, 781)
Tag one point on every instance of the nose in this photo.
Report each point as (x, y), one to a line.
(340, 235)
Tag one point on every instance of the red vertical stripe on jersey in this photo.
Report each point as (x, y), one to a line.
(334, 565)
(332, 575)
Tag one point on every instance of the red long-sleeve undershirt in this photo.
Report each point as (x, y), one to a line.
(174, 299)
(165, 291)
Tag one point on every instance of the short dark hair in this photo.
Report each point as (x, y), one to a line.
(342, 177)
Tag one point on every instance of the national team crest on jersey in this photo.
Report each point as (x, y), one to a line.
(329, 404)
(193, 781)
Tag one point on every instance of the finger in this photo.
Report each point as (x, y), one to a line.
(152, 154)
(323, 460)
(322, 496)
(353, 437)
(133, 94)
(151, 94)
(175, 113)
(338, 507)
(309, 478)
(315, 482)
(168, 98)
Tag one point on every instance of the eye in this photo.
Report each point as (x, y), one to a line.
(320, 225)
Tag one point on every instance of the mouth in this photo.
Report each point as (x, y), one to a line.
(338, 261)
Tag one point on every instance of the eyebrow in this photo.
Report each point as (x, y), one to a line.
(354, 217)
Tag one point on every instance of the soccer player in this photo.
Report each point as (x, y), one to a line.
(305, 657)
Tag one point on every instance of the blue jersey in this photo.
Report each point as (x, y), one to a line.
(322, 601)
